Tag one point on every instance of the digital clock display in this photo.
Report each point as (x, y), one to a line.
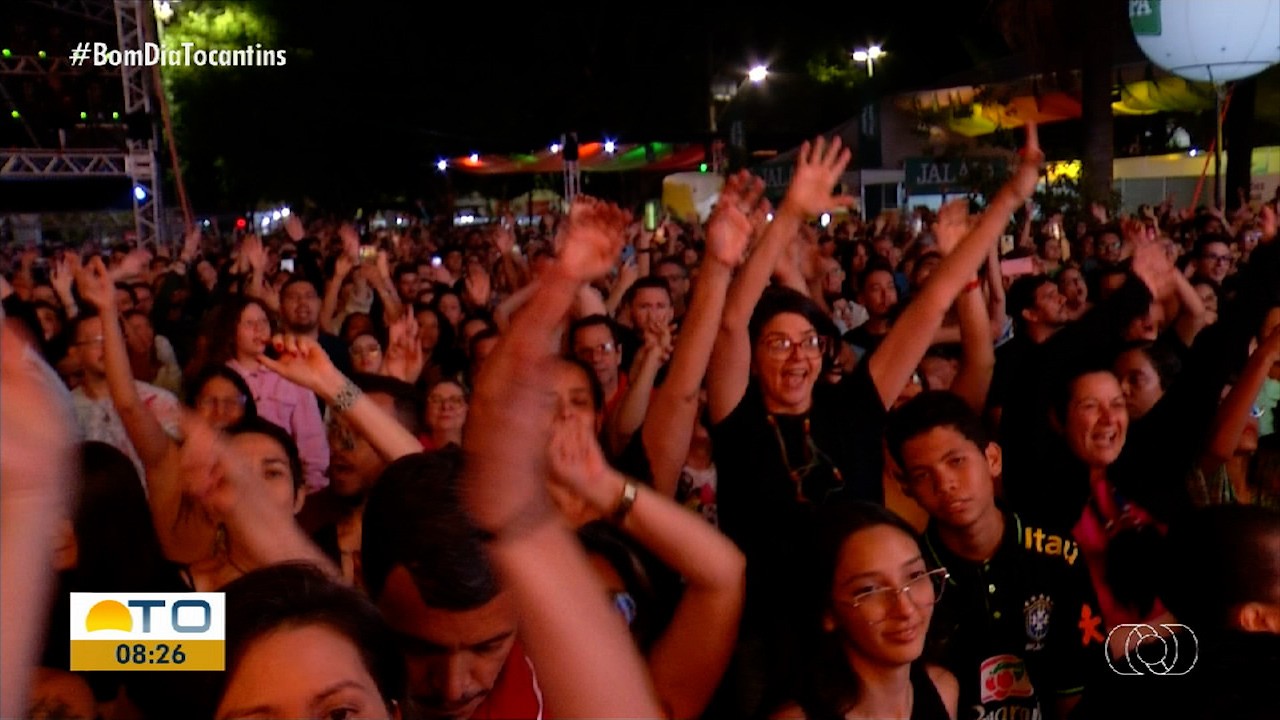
(147, 655)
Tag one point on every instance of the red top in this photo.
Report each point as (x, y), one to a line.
(516, 695)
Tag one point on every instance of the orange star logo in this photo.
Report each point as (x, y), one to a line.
(1090, 626)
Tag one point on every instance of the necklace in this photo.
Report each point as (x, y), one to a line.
(813, 455)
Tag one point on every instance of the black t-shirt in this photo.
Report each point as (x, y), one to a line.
(860, 337)
(1019, 630)
(839, 458)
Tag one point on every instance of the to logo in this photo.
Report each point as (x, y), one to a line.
(1172, 649)
(152, 631)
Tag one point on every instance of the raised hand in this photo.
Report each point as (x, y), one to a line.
(134, 265)
(503, 237)
(302, 361)
(1099, 213)
(1152, 264)
(63, 274)
(383, 266)
(659, 339)
(350, 241)
(818, 169)
(404, 359)
(593, 236)
(951, 225)
(1027, 175)
(629, 272)
(293, 226)
(254, 253)
(343, 266)
(199, 467)
(96, 286)
(191, 244)
(729, 229)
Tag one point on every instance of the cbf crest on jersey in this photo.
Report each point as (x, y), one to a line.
(1036, 612)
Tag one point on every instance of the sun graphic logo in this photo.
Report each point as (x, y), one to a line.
(148, 631)
(108, 615)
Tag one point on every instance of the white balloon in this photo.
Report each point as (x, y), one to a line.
(1208, 40)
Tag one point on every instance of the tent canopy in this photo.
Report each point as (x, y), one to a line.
(973, 110)
(656, 157)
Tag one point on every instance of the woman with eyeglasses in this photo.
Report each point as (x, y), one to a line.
(244, 329)
(221, 397)
(784, 442)
(873, 603)
(446, 414)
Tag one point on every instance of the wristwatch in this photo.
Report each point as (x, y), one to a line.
(629, 491)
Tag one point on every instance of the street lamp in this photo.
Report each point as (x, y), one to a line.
(725, 89)
(869, 56)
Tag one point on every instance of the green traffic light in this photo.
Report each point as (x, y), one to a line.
(6, 52)
(84, 115)
(15, 114)
(42, 54)
(115, 116)
(702, 167)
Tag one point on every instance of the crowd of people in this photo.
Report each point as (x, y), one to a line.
(753, 467)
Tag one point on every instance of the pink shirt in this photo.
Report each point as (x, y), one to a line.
(1091, 534)
(293, 408)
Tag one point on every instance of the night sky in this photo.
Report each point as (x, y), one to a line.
(375, 92)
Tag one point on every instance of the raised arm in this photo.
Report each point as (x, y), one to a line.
(674, 408)
(184, 532)
(630, 413)
(37, 472)
(689, 658)
(1233, 413)
(507, 308)
(892, 364)
(146, 434)
(977, 350)
(304, 362)
(260, 531)
(587, 664)
(818, 169)
(978, 356)
(329, 308)
(382, 283)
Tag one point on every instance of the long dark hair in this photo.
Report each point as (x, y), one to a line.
(295, 595)
(209, 372)
(828, 687)
(222, 328)
(117, 549)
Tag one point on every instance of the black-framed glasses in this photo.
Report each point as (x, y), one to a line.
(780, 346)
(449, 401)
(923, 590)
(227, 403)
